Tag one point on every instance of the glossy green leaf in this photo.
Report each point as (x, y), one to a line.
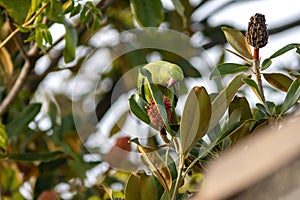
(147, 13)
(195, 118)
(238, 41)
(140, 186)
(254, 87)
(285, 49)
(266, 64)
(157, 166)
(279, 81)
(229, 131)
(31, 157)
(240, 132)
(3, 139)
(227, 68)
(21, 120)
(118, 124)
(292, 96)
(16, 9)
(243, 104)
(138, 107)
(222, 101)
(71, 43)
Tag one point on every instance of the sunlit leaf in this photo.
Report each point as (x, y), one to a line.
(266, 64)
(238, 41)
(195, 118)
(140, 186)
(222, 101)
(227, 68)
(279, 81)
(138, 107)
(6, 61)
(157, 166)
(71, 43)
(285, 49)
(16, 9)
(21, 120)
(292, 96)
(254, 87)
(147, 13)
(3, 139)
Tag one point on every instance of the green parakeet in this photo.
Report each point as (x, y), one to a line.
(163, 74)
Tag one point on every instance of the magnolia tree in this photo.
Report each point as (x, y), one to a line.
(133, 113)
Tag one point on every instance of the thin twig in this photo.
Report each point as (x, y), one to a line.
(19, 82)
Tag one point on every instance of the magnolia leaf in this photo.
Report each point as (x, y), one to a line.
(243, 104)
(138, 107)
(195, 118)
(139, 186)
(6, 61)
(285, 49)
(227, 68)
(147, 13)
(157, 166)
(266, 64)
(254, 87)
(238, 41)
(279, 81)
(292, 96)
(222, 101)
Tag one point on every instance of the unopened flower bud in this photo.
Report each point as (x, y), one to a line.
(154, 114)
(257, 34)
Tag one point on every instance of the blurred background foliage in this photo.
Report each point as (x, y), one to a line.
(48, 47)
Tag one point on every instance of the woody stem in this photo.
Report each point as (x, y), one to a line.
(256, 64)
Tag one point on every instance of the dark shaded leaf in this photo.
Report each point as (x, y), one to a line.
(279, 81)
(157, 166)
(30, 157)
(243, 104)
(138, 107)
(19, 12)
(147, 13)
(139, 186)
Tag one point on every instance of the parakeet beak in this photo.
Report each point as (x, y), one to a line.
(171, 82)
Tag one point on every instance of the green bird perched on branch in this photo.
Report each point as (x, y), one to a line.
(156, 85)
(164, 75)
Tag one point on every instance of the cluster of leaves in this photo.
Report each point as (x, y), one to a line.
(203, 114)
(43, 158)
